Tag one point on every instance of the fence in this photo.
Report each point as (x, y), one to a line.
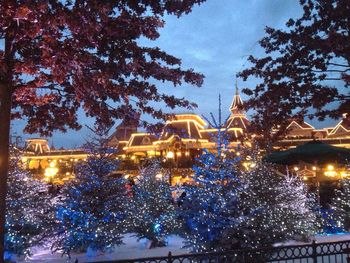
(336, 252)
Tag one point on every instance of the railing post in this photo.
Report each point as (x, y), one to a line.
(169, 257)
(314, 251)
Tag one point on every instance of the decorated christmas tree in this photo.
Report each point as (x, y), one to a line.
(211, 209)
(277, 207)
(341, 205)
(152, 208)
(92, 212)
(29, 214)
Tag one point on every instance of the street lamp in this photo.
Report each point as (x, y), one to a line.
(170, 156)
(51, 171)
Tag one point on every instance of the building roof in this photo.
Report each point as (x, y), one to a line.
(301, 124)
(185, 126)
(238, 122)
(123, 132)
(342, 128)
(237, 103)
(237, 118)
(141, 139)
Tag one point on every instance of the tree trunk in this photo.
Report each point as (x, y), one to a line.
(5, 118)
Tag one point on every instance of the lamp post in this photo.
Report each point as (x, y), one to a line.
(170, 157)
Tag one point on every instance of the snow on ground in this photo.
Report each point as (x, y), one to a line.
(133, 249)
(319, 239)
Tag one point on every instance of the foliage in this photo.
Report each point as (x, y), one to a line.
(341, 205)
(59, 56)
(303, 66)
(151, 207)
(92, 212)
(29, 214)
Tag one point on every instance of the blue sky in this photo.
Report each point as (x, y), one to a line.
(215, 39)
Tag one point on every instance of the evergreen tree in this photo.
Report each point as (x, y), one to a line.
(341, 205)
(91, 214)
(29, 214)
(152, 208)
(277, 207)
(211, 209)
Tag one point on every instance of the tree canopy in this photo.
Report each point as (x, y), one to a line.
(305, 67)
(58, 56)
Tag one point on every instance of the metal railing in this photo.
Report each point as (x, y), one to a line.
(335, 252)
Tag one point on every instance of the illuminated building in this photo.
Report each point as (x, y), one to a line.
(184, 136)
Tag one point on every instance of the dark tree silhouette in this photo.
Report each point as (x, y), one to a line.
(59, 56)
(304, 69)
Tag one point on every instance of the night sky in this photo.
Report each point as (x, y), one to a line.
(215, 39)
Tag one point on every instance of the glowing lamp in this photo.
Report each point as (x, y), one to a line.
(330, 173)
(51, 172)
(170, 155)
(314, 168)
(330, 167)
(296, 168)
(344, 174)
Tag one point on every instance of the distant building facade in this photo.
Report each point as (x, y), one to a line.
(182, 139)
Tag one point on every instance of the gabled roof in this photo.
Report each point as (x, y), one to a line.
(343, 127)
(123, 132)
(141, 139)
(185, 126)
(300, 124)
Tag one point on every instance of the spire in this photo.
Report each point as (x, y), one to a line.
(237, 118)
(237, 92)
(236, 102)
